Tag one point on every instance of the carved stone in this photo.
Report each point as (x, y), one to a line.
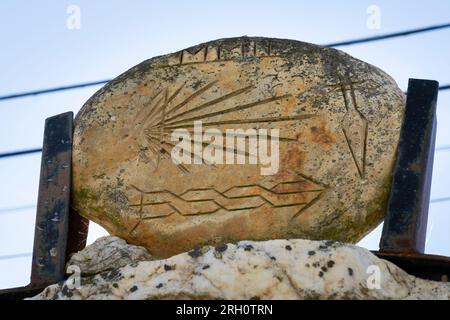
(338, 121)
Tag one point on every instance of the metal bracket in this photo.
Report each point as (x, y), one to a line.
(407, 212)
(405, 224)
(59, 231)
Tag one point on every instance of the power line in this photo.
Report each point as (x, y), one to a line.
(389, 35)
(336, 44)
(443, 148)
(19, 153)
(440, 200)
(21, 208)
(15, 256)
(51, 90)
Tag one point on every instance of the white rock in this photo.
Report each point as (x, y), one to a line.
(277, 269)
(107, 253)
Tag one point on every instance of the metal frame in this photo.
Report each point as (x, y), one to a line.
(60, 231)
(405, 224)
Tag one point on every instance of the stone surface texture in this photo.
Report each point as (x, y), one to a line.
(107, 253)
(276, 269)
(339, 122)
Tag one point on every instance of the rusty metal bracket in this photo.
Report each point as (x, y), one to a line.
(407, 212)
(59, 231)
(404, 231)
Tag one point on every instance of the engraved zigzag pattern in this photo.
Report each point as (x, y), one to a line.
(201, 201)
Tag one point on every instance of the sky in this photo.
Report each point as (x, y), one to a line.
(43, 48)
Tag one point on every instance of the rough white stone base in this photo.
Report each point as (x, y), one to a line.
(277, 269)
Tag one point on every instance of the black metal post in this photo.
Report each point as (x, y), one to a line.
(407, 212)
(59, 230)
(53, 208)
